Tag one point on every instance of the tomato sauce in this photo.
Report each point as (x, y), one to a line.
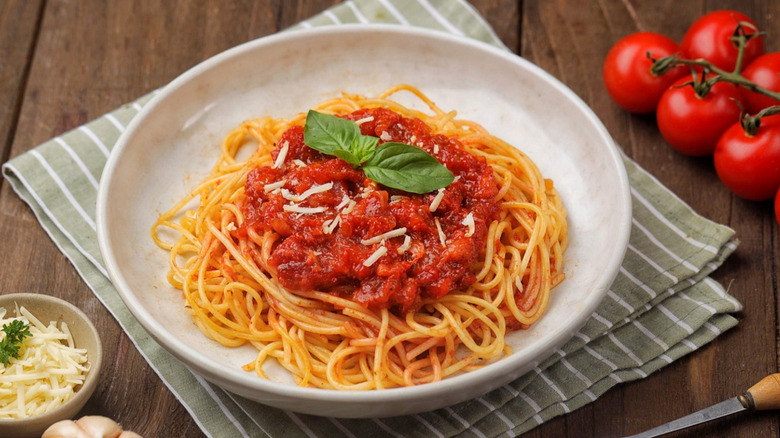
(313, 253)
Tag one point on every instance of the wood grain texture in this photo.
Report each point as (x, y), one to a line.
(67, 62)
(19, 21)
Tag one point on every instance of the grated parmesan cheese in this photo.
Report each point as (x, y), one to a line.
(364, 120)
(442, 237)
(385, 136)
(329, 225)
(382, 250)
(47, 374)
(282, 155)
(350, 206)
(295, 208)
(469, 222)
(273, 186)
(436, 201)
(384, 236)
(290, 196)
(406, 245)
(344, 201)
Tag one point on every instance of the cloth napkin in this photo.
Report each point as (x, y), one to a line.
(662, 305)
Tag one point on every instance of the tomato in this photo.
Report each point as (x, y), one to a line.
(709, 38)
(692, 124)
(627, 74)
(777, 206)
(749, 165)
(763, 71)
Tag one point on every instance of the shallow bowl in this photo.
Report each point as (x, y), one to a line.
(174, 142)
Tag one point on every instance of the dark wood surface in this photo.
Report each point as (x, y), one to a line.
(63, 63)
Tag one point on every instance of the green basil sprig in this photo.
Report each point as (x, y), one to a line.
(397, 165)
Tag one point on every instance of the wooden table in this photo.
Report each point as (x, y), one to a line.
(63, 63)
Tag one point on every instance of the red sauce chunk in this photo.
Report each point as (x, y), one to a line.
(329, 216)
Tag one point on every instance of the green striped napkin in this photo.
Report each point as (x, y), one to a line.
(662, 306)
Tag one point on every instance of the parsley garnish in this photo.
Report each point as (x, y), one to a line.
(396, 165)
(15, 332)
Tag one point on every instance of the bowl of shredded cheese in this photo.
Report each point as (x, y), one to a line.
(50, 358)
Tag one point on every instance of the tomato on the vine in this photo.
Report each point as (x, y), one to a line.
(709, 37)
(627, 75)
(692, 124)
(749, 164)
(777, 206)
(765, 72)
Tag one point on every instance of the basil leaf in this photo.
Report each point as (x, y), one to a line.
(396, 165)
(363, 147)
(348, 156)
(327, 133)
(408, 168)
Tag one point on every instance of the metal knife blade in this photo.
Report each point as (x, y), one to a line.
(719, 410)
(764, 395)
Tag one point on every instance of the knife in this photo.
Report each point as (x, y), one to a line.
(764, 395)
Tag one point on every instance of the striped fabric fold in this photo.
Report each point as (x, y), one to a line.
(662, 305)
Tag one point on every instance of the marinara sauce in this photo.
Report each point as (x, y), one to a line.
(435, 254)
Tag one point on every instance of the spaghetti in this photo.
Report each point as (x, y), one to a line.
(351, 285)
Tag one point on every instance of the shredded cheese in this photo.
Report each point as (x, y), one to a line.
(329, 225)
(364, 120)
(469, 222)
(295, 208)
(274, 186)
(382, 250)
(405, 246)
(282, 154)
(350, 206)
(436, 201)
(384, 236)
(290, 196)
(344, 201)
(47, 374)
(385, 136)
(442, 237)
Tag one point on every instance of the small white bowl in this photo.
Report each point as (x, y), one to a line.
(47, 308)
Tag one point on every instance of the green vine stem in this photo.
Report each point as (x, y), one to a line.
(713, 73)
(720, 75)
(750, 124)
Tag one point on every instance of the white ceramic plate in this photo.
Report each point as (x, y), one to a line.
(174, 142)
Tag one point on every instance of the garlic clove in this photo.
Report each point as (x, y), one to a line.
(97, 426)
(65, 429)
(90, 426)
